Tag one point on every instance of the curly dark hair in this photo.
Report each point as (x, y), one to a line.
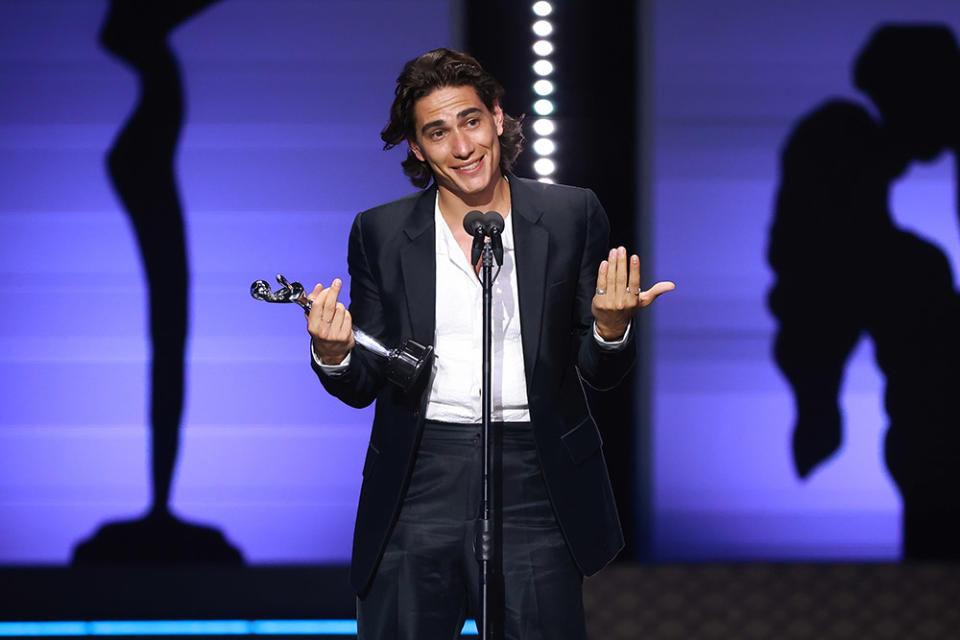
(433, 70)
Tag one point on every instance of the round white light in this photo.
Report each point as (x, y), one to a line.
(544, 166)
(543, 107)
(542, 8)
(543, 67)
(542, 47)
(543, 146)
(543, 126)
(547, 180)
(542, 28)
(543, 87)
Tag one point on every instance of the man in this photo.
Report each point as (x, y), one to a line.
(562, 311)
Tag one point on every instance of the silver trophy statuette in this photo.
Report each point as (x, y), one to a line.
(404, 366)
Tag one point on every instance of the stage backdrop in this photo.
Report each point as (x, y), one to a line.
(284, 102)
(731, 80)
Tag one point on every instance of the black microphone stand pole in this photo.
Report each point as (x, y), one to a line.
(491, 511)
(488, 545)
(489, 542)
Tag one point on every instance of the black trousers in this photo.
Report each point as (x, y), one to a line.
(427, 582)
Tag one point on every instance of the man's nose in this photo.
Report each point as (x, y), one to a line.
(462, 145)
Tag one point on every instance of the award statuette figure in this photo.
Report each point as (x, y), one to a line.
(404, 365)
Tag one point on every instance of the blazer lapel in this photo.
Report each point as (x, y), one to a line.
(418, 262)
(531, 242)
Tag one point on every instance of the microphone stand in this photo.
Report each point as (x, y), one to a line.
(488, 545)
(489, 542)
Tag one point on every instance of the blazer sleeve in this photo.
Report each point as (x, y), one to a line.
(363, 379)
(601, 368)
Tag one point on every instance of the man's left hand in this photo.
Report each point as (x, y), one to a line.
(618, 296)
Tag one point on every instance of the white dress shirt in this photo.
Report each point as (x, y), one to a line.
(454, 389)
(457, 372)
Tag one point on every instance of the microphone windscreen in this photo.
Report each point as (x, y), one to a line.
(493, 222)
(473, 222)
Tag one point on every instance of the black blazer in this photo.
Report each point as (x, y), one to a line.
(561, 235)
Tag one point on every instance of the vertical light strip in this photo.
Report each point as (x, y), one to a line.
(543, 126)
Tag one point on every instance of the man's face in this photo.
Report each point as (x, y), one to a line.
(458, 137)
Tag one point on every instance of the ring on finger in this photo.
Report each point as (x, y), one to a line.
(600, 291)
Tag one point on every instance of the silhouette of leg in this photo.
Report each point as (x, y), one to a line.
(924, 463)
(141, 166)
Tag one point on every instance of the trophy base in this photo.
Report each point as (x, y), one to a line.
(406, 364)
(158, 539)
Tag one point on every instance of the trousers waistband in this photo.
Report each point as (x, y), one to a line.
(524, 425)
(520, 432)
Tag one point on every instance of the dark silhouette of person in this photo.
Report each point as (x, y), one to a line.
(844, 269)
(141, 166)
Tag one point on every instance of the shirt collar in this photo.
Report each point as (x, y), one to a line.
(449, 243)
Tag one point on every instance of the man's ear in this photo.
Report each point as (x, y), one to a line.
(498, 117)
(417, 151)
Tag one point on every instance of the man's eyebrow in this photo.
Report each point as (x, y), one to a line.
(430, 125)
(467, 112)
(439, 123)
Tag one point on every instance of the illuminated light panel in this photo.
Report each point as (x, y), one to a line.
(304, 627)
(542, 28)
(544, 126)
(543, 87)
(544, 146)
(34, 629)
(189, 628)
(543, 107)
(169, 628)
(542, 47)
(544, 166)
(543, 67)
(542, 8)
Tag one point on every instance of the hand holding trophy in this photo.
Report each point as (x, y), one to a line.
(403, 365)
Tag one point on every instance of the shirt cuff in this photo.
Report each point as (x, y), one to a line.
(333, 369)
(608, 345)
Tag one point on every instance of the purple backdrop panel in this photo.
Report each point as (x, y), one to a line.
(284, 103)
(730, 82)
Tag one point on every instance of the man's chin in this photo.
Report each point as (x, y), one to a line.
(470, 188)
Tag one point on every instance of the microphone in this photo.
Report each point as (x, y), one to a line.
(495, 225)
(485, 225)
(473, 223)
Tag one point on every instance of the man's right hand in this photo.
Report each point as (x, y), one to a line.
(330, 324)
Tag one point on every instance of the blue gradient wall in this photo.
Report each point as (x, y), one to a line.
(285, 100)
(280, 149)
(730, 81)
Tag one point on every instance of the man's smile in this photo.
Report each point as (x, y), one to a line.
(469, 168)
